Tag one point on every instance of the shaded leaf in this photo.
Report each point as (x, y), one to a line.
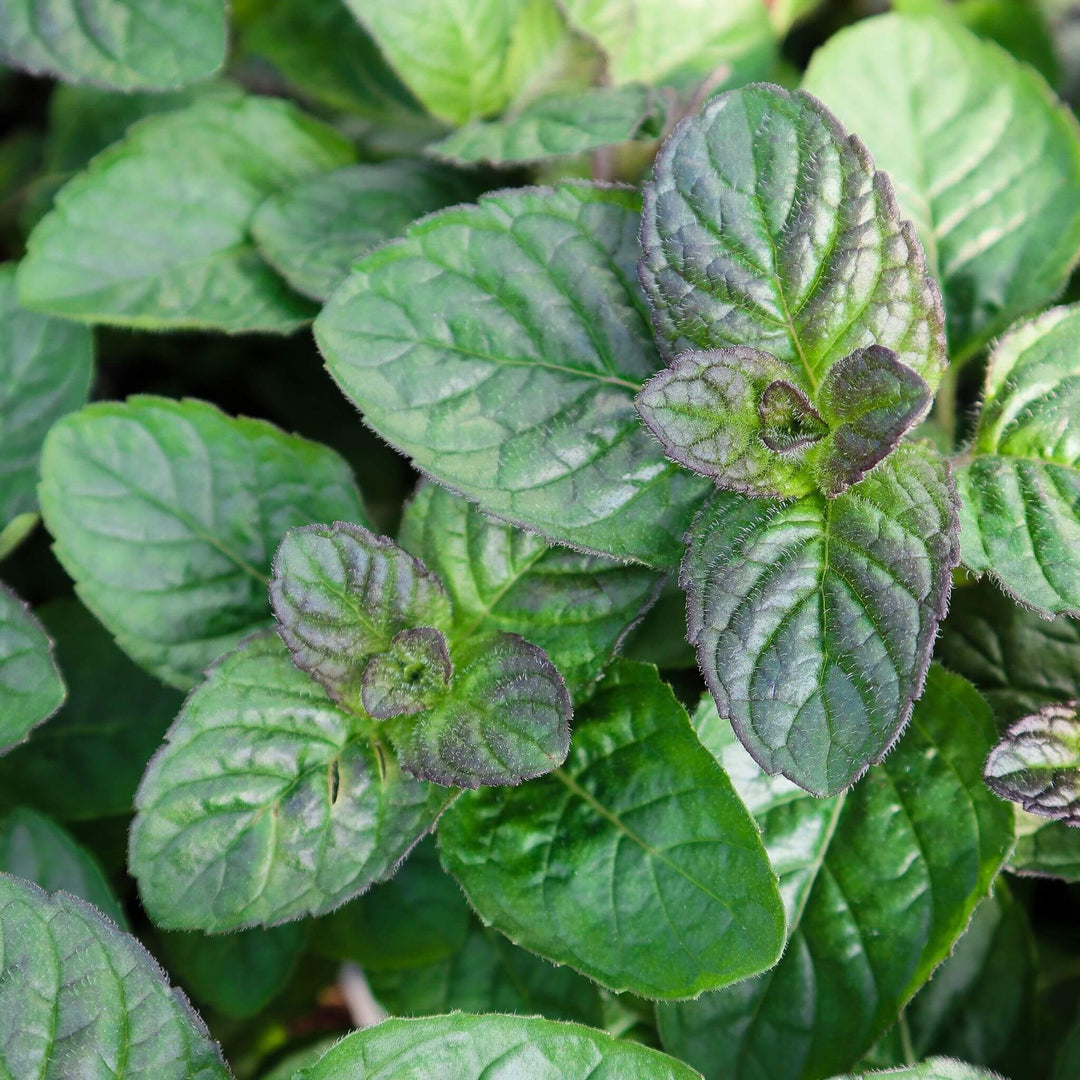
(1045, 848)
(411, 676)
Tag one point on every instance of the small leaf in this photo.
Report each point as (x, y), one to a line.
(77, 990)
(142, 44)
(31, 687)
(470, 1047)
(155, 234)
(500, 346)
(268, 802)
(814, 620)
(167, 513)
(312, 231)
(693, 903)
(341, 594)
(767, 227)
(789, 422)
(1020, 482)
(412, 675)
(985, 160)
(577, 608)
(506, 718)
(1045, 848)
(558, 125)
(937, 1068)
(1037, 763)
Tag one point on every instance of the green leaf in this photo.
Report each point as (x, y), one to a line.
(341, 594)
(1037, 763)
(814, 620)
(36, 849)
(311, 232)
(1020, 482)
(505, 718)
(410, 677)
(577, 608)
(105, 732)
(938, 1068)
(45, 371)
(986, 162)
(658, 885)
(155, 234)
(500, 346)
(1045, 848)
(140, 44)
(167, 513)
(469, 1047)
(557, 126)
(31, 687)
(236, 974)
(76, 992)
(878, 883)
(268, 802)
(767, 227)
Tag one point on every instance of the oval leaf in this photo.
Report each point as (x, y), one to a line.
(268, 802)
(814, 620)
(167, 513)
(688, 901)
(500, 346)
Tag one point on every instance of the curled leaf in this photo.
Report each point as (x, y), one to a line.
(413, 673)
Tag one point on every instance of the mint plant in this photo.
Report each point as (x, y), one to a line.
(539, 538)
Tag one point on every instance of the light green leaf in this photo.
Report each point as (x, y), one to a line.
(500, 346)
(311, 232)
(814, 619)
(410, 677)
(938, 1068)
(986, 162)
(45, 371)
(469, 1047)
(167, 513)
(36, 849)
(137, 44)
(156, 232)
(1045, 848)
(31, 687)
(767, 227)
(559, 125)
(76, 990)
(577, 608)
(658, 885)
(1020, 481)
(878, 882)
(341, 595)
(268, 802)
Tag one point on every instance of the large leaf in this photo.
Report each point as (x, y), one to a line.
(767, 227)
(635, 863)
(45, 371)
(268, 802)
(137, 44)
(77, 993)
(500, 346)
(559, 125)
(814, 619)
(1020, 481)
(469, 1047)
(878, 882)
(167, 513)
(576, 607)
(311, 232)
(155, 233)
(985, 161)
(31, 687)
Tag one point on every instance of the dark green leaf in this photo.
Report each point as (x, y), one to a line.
(167, 513)
(77, 993)
(268, 802)
(156, 232)
(341, 594)
(878, 882)
(635, 863)
(501, 347)
(470, 1047)
(1045, 848)
(985, 161)
(576, 607)
(410, 677)
(814, 620)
